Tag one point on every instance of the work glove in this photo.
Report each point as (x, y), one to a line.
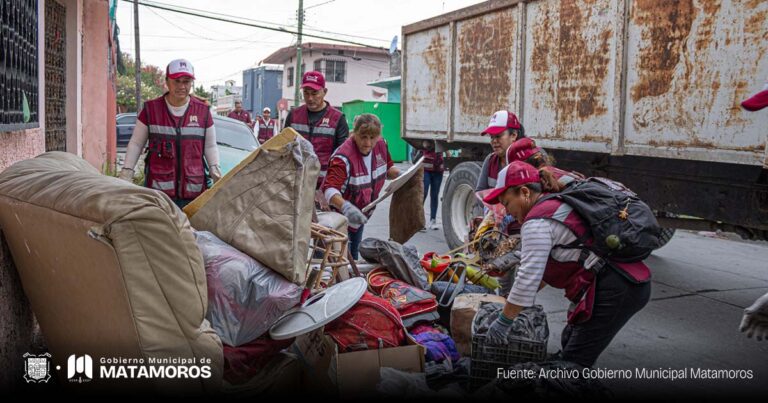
(755, 320)
(126, 174)
(215, 172)
(353, 214)
(497, 333)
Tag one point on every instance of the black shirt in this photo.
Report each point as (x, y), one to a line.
(342, 129)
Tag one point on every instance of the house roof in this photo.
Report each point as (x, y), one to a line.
(387, 83)
(282, 55)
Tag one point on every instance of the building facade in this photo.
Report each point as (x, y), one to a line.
(347, 70)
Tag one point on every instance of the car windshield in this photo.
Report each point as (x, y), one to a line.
(235, 135)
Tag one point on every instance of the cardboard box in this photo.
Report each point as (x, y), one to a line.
(351, 374)
(465, 306)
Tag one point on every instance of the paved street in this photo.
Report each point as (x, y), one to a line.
(701, 284)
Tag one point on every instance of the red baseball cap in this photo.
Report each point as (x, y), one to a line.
(314, 80)
(180, 68)
(522, 149)
(757, 101)
(515, 174)
(500, 121)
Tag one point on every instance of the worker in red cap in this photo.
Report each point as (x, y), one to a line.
(182, 139)
(755, 319)
(504, 128)
(527, 151)
(605, 294)
(319, 122)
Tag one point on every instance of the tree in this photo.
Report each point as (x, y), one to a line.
(152, 84)
(200, 92)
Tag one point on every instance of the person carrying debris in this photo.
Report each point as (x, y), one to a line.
(265, 125)
(356, 175)
(317, 121)
(240, 114)
(182, 139)
(604, 294)
(504, 128)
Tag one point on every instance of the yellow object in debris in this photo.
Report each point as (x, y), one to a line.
(478, 277)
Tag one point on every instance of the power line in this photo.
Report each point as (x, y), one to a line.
(278, 29)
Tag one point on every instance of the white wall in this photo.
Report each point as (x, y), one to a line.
(372, 67)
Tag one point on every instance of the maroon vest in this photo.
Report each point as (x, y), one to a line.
(433, 161)
(494, 167)
(362, 187)
(322, 134)
(579, 284)
(175, 155)
(243, 116)
(266, 129)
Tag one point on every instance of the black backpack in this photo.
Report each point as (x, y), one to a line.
(622, 226)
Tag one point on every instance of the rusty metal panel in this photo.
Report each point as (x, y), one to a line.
(690, 64)
(570, 73)
(426, 82)
(486, 69)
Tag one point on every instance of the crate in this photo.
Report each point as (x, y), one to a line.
(486, 360)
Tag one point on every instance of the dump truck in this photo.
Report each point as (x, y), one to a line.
(644, 92)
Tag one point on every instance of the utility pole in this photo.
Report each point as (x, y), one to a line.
(138, 53)
(297, 70)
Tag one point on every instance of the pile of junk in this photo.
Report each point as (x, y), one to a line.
(251, 281)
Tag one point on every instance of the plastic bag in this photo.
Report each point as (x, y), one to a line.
(245, 298)
(401, 260)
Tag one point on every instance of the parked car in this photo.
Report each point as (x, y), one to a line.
(234, 138)
(125, 124)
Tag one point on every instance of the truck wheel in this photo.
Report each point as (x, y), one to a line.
(459, 203)
(665, 237)
(666, 233)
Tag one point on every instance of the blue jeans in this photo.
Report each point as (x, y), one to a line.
(354, 242)
(432, 180)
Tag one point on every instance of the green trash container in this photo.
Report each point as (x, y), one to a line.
(389, 114)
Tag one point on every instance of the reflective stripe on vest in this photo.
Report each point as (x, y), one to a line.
(175, 154)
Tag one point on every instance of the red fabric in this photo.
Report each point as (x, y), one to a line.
(314, 80)
(515, 174)
(522, 149)
(756, 102)
(242, 363)
(371, 322)
(336, 176)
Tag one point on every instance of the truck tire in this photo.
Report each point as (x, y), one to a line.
(666, 233)
(460, 203)
(665, 237)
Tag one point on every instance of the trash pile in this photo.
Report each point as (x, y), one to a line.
(286, 309)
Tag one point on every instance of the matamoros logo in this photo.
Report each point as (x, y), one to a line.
(80, 369)
(83, 369)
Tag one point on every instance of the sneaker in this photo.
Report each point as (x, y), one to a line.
(433, 225)
(423, 229)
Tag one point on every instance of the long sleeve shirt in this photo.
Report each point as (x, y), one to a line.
(539, 240)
